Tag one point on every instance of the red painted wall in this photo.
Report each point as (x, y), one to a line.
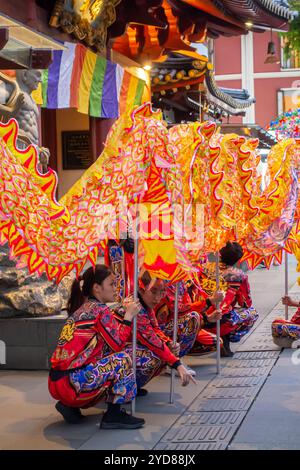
(266, 97)
(230, 83)
(227, 55)
(228, 61)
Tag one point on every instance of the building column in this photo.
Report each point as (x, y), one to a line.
(248, 73)
(48, 136)
(99, 128)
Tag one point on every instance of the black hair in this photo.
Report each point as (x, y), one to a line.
(146, 278)
(127, 243)
(90, 277)
(231, 253)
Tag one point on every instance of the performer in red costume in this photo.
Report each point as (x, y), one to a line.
(238, 315)
(284, 332)
(89, 362)
(154, 340)
(191, 298)
(119, 256)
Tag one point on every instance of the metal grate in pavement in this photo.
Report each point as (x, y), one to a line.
(219, 404)
(245, 372)
(257, 355)
(194, 446)
(230, 392)
(237, 382)
(262, 343)
(200, 434)
(252, 363)
(215, 418)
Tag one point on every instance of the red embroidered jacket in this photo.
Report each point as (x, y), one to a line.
(237, 288)
(238, 291)
(91, 333)
(193, 299)
(150, 335)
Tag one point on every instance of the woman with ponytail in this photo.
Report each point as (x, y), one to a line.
(88, 363)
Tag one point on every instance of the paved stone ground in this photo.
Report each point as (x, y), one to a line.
(273, 421)
(220, 411)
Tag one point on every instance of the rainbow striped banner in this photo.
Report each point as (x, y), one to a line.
(79, 78)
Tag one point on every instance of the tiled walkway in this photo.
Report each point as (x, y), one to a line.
(215, 416)
(209, 415)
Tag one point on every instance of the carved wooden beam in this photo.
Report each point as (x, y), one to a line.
(174, 40)
(4, 37)
(40, 59)
(27, 59)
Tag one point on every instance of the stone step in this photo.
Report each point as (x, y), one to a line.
(28, 343)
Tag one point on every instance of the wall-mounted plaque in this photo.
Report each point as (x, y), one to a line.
(77, 152)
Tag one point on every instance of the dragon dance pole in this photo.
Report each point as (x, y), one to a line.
(135, 296)
(286, 281)
(218, 322)
(175, 328)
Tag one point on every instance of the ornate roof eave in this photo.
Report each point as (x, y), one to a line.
(234, 111)
(208, 7)
(218, 94)
(183, 83)
(178, 70)
(275, 9)
(220, 104)
(262, 12)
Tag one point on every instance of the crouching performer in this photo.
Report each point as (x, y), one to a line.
(285, 332)
(155, 348)
(89, 363)
(238, 315)
(191, 298)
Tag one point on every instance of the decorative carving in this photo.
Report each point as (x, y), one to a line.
(178, 71)
(134, 39)
(69, 22)
(88, 20)
(199, 64)
(174, 41)
(57, 11)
